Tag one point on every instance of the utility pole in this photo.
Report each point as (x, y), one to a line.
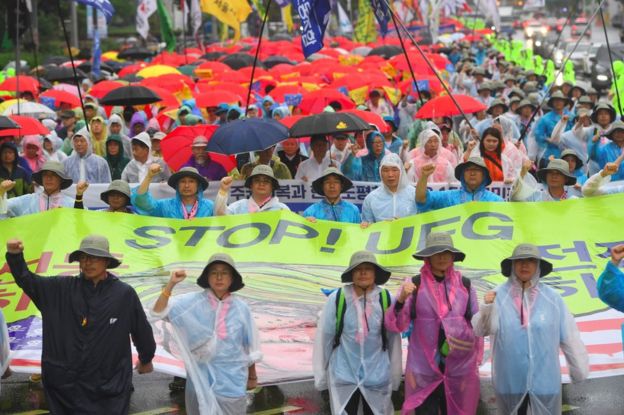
(74, 24)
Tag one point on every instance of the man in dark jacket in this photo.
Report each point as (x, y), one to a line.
(86, 359)
(10, 169)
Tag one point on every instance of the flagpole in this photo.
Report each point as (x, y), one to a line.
(183, 3)
(71, 58)
(18, 64)
(255, 62)
(409, 64)
(617, 90)
(435, 71)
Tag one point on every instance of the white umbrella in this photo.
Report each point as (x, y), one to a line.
(30, 109)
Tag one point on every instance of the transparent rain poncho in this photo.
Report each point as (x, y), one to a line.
(218, 341)
(5, 349)
(527, 327)
(359, 361)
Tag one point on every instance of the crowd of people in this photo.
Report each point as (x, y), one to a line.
(548, 142)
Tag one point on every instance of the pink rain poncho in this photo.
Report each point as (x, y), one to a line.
(527, 327)
(440, 304)
(444, 169)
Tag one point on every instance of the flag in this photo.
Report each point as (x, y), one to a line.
(195, 13)
(365, 27)
(165, 26)
(287, 17)
(314, 15)
(229, 12)
(144, 10)
(344, 23)
(382, 14)
(104, 6)
(97, 51)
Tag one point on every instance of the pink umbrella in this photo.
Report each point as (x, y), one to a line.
(72, 89)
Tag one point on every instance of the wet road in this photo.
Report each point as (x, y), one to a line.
(152, 397)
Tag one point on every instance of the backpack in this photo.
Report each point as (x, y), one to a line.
(341, 308)
(465, 281)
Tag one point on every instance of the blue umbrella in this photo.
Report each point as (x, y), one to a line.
(247, 134)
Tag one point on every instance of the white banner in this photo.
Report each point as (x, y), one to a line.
(145, 9)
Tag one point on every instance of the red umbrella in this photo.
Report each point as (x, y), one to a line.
(291, 120)
(26, 84)
(176, 146)
(61, 97)
(216, 97)
(28, 126)
(278, 93)
(315, 101)
(104, 87)
(234, 88)
(372, 118)
(168, 99)
(445, 107)
(134, 68)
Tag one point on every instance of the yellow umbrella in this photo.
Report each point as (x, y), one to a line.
(6, 104)
(157, 70)
(112, 55)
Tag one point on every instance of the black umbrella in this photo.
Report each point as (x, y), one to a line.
(271, 61)
(7, 124)
(130, 95)
(328, 123)
(62, 74)
(212, 56)
(44, 84)
(55, 60)
(238, 60)
(86, 67)
(135, 53)
(247, 134)
(387, 51)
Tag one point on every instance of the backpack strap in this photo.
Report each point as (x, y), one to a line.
(468, 313)
(384, 301)
(341, 309)
(416, 281)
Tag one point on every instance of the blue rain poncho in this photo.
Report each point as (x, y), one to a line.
(365, 168)
(218, 341)
(359, 361)
(543, 131)
(342, 211)
(439, 199)
(611, 287)
(146, 204)
(607, 153)
(382, 204)
(525, 355)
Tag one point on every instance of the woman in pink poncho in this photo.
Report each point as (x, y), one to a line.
(33, 152)
(441, 375)
(430, 151)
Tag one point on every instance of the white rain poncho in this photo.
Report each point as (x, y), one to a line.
(359, 361)
(218, 341)
(382, 204)
(525, 354)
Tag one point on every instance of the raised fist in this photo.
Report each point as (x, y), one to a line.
(489, 297)
(617, 253)
(154, 169)
(177, 276)
(407, 288)
(81, 187)
(7, 185)
(427, 170)
(15, 246)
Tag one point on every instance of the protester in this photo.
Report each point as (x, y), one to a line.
(576, 166)
(53, 179)
(365, 167)
(557, 178)
(340, 148)
(262, 184)
(200, 160)
(291, 156)
(138, 123)
(155, 138)
(490, 148)
(609, 152)
(33, 152)
(115, 156)
(5, 348)
(354, 356)
(267, 158)
(546, 124)
(394, 198)
(311, 169)
(441, 375)
(83, 164)
(117, 197)
(188, 203)
(474, 178)
(217, 337)
(431, 152)
(99, 133)
(11, 170)
(68, 121)
(611, 282)
(528, 323)
(52, 145)
(88, 321)
(116, 126)
(136, 170)
(377, 104)
(331, 185)
(599, 183)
